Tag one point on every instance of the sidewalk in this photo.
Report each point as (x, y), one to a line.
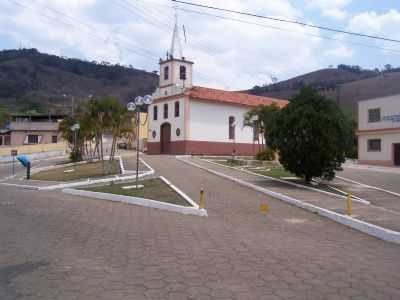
(368, 213)
(351, 165)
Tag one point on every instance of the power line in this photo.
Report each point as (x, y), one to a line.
(289, 21)
(141, 52)
(287, 30)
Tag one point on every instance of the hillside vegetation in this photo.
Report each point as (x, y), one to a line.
(345, 84)
(30, 80)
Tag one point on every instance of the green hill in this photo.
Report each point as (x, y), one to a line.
(30, 80)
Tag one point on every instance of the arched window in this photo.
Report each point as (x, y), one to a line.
(155, 113)
(177, 109)
(232, 126)
(165, 110)
(166, 73)
(182, 72)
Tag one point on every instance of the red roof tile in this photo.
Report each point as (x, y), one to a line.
(203, 93)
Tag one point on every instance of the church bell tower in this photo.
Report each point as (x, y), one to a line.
(175, 70)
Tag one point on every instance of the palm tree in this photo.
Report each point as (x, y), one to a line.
(261, 119)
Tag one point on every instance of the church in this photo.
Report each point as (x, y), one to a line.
(189, 119)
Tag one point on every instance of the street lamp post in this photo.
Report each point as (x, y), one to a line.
(135, 106)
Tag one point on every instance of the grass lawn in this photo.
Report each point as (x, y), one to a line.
(229, 163)
(80, 171)
(154, 189)
(276, 172)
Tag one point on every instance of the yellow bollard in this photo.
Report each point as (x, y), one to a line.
(264, 207)
(349, 205)
(201, 202)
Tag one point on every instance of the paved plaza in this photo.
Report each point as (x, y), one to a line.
(59, 246)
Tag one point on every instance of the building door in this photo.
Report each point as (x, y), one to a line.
(396, 149)
(165, 138)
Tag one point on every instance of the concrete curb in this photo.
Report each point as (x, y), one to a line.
(369, 186)
(195, 211)
(91, 181)
(52, 167)
(121, 164)
(146, 164)
(356, 199)
(368, 228)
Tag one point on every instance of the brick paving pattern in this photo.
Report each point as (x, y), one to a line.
(58, 246)
(386, 215)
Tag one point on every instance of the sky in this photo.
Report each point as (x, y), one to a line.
(230, 51)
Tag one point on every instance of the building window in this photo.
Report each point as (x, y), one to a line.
(7, 140)
(1, 140)
(154, 134)
(374, 145)
(32, 139)
(182, 72)
(155, 113)
(232, 128)
(177, 109)
(178, 132)
(54, 139)
(374, 115)
(165, 110)
(166, 73)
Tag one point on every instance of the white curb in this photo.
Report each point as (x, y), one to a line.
(140, 201)
(121, 165)
(355, 199)
(368, 186)
(147, 165)
(368, 228)
(91, 181)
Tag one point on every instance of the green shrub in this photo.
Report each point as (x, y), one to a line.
(75, 156)
(266, 154)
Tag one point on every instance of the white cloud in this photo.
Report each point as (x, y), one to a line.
(385, 25)
(227, 54)
(373, 23)
(331, 8)
(340, 51)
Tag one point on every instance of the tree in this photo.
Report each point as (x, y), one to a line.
(388, 67)
(95, 117)
(311, 135)
(4, 116)
(261, 118)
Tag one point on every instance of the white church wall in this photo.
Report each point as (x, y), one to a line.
(209, 121)
(176, 122)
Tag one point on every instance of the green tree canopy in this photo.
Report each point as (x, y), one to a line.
(262, 118)
(312, 135)
(4, 116)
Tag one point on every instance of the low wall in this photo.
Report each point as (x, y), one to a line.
(34, 151)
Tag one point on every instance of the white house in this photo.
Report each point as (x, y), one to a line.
(379, 131)
(188, 119)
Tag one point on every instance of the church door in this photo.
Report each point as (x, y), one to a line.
(165, 138)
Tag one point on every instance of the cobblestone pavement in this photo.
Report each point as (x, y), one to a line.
(386, 214)
(58, 246)
(385, 178)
